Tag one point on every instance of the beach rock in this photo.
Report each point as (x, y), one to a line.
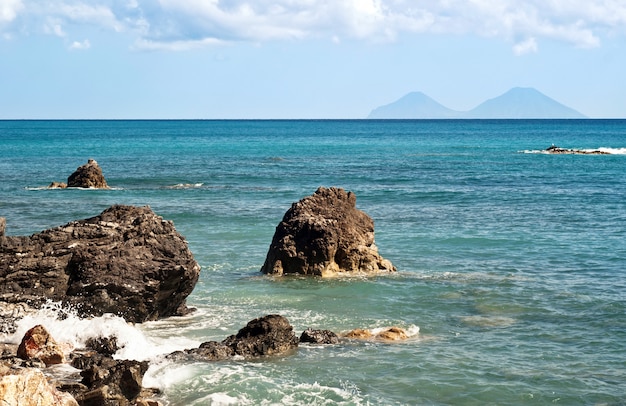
(325, 234)
(264, 336)
(29, 387)
(3, 225)
(37, 343)
(109, 381)
(88, 176)
(318, 337)
(126, 261)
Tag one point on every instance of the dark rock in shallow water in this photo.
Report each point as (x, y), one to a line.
(109, 381)
(325, 234)
(268, 335)
(319, 337)
(558, 150)
(127, 261)
(88, 176)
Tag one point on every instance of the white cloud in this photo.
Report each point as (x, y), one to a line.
(525, 47)
(9, 10)
(80, 45)
(184, 24)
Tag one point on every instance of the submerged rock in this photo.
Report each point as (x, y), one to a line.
(387, 334)
(88, 176)
(126, 261)
(268, 335)
(325, 234)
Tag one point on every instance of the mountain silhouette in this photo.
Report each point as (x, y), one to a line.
(519, 102)
(414, 105)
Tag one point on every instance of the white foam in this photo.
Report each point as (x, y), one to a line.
(72, 332)
(606, 150)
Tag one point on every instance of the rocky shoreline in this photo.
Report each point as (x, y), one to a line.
(129, 262)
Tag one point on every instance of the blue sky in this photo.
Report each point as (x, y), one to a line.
(228, 59)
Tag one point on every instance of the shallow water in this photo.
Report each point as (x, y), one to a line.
(511, 264)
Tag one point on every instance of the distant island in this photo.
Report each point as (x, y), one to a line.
(519, 102)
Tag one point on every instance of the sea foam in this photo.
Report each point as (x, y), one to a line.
(73, 332)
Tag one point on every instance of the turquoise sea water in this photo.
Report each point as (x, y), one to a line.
(511, 262)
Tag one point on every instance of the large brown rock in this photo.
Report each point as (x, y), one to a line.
(127, 261)
(88, 176)
(37, 343)
(29, 387)
(264, 336)
(325, 234)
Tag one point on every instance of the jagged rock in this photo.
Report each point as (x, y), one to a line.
(88, 176)
(127, 261)
(325, 234)
(37, 343)
(319, 337)
(109, 381)
(29, 387)
(268, 335)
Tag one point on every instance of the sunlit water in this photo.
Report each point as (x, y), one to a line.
(511, 265)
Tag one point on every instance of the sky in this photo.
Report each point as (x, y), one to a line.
(302, 59)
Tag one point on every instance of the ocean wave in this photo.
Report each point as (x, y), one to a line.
(185, 186)
(71, 188)
(72, 332)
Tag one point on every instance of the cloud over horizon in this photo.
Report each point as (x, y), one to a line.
(185, 24)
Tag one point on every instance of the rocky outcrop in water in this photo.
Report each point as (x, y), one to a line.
(127, 261)
(268, 335)
(325, 234)
(553, 149)
(88, 176)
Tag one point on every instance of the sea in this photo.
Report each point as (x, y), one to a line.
(511, 261)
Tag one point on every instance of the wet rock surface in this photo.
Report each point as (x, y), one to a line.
(126, 261)
(264, 336)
